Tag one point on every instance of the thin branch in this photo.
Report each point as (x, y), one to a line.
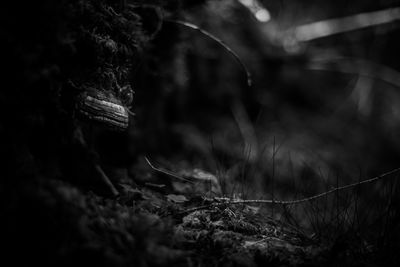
(329, 27)
(219, 41)
(291, 202)
(106, 180)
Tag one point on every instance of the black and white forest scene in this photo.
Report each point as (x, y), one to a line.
(200, 133)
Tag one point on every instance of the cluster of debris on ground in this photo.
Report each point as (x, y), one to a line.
(56, 224)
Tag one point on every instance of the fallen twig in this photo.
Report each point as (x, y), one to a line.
(227, 201)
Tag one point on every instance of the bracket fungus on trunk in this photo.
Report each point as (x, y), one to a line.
(104, 108)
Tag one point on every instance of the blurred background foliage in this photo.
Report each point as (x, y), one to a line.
(318, 109)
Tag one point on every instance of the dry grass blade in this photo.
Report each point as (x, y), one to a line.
(246, 129)
(167, 172)
(219, 41)
(357, 67)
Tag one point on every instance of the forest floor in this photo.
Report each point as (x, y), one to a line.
(166, 224)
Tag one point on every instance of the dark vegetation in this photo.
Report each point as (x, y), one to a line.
(320, 114)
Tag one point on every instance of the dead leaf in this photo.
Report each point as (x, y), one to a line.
(203, 183)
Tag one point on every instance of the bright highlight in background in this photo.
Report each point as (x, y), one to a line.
(255, 7)
(263, 15)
